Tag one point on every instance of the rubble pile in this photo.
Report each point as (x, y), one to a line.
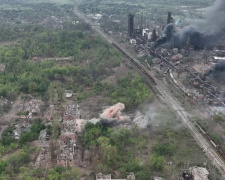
(21, 127)
(33, 106)
(49, 113)
(67, 142)
(43, 158)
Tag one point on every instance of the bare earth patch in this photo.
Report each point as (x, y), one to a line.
(119, 72)
(93, 106)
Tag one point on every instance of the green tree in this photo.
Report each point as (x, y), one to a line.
(17, 160)
(3, 165)
(107, 151)
(37, 126)
(53, 174)
(157, 162)
(122, 139)
(71, 174)
(92, 132)
(164, 149)
(27, 137)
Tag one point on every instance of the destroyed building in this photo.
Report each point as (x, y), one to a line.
(199, 173)
(49, 113)
(44, 158)
(31, 107)
(21, 127)
(205, 33)
(101, 176)
(43, 135)
(193, 56)
(66, 152)
(69, 124)
(67, 141)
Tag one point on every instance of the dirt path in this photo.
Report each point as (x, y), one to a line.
(5, 119)
(6, 43)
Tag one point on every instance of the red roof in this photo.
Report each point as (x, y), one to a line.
(63, 137)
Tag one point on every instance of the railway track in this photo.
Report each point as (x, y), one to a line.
(185, 117)
(182, 113)
(161, 90)
(152, 52)
(135, 63)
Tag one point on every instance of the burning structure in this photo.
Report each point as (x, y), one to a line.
(201, 34)
(218, 71)
(174, 53)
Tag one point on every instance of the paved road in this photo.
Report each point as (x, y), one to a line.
(94, 27)
(172, 102)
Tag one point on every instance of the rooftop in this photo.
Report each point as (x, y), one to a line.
(200, 173)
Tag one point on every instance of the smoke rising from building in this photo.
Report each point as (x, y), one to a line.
(111, 116)
(114, 112)
(200, 34)
(218, 71)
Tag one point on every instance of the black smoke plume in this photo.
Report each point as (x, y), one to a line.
(218, 71)
(200, 34)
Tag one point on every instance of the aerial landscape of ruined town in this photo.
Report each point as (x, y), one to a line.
(122, 89)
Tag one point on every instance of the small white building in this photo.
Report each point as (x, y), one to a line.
(133, 41)
(69, 93)
(97, 16)
(158, 178)
(146, 32)
(218, 58)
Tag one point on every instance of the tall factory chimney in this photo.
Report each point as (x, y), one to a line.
(153, 36)
(169, 18)
(130, 24)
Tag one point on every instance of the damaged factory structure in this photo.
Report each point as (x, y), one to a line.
(193, 56)
(204, 33)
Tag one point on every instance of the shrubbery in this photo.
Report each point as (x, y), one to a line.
(116, 149)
